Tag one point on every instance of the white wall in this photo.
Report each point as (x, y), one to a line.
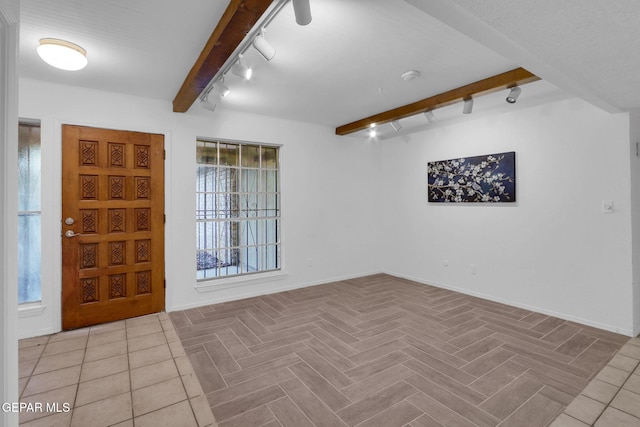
(553, 250)
(327, 195)
(635, 215)
(9, 30)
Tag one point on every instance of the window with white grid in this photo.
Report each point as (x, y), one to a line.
(237, 209)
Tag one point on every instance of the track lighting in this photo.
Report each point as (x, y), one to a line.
(468, 106)
(302, 10)
(241, 70)
(395, 124)
(264, 48)
(372, 130)
(514, 94)
(429, 116)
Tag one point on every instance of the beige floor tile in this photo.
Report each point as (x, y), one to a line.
(30, 353)
(106, 338)
(189, 379)
(52, 380)
(635, 341)
(149, 356)
(628, 402)
(107, 327)
(58, 420)
(177, 350)
(102, 388)
(59, 361)
(565, 420)
(179, 414)
(61, 396)
(585, 409)
(65, 346)
(153, 374)
(22, 382)
(25, 367)
(600, 391)
(103, 413)
(145, 341)
(631, 350)
(625, 363)
(612, 376)
(67, 335)
(105, 351)
(104, 367)
(202, 411)
(171, 335)
(633, 384)
(157, 396)
(128, 423)
(142, 321)
(142, 330)
(33, 342)
(612, 417)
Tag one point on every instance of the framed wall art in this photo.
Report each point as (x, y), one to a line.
(485, 179)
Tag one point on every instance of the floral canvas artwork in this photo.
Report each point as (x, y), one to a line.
(489, 179)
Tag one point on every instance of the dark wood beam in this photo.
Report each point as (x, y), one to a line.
(519, 76)
(237, 20)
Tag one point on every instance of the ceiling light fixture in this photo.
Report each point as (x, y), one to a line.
(223, 89)
(264, 48)
(514, 93)
(372, 130)
(395, 124)
(468, 106)
(429, 116)
(302, 10)
(241, 70)
(62, 54)
(206, 103)
(410, 75)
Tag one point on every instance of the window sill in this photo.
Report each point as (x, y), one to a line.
(31, 309)
(234, 282)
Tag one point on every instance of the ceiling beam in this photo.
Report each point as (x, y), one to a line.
(508, 79)
(237, 20)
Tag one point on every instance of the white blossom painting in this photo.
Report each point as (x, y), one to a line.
(489, 179)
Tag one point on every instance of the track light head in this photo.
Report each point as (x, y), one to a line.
(241, 70)
(208, 105)
(302, 10)
(514, 93)
(395, 124)
(468, 106)
(264, 48)
(222, 88)
(372, 130)
(429, 116)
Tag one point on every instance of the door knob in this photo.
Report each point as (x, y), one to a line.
(71, 233)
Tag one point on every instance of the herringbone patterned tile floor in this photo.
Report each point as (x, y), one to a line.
(384, 351)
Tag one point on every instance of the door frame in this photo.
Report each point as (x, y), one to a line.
(47, 318)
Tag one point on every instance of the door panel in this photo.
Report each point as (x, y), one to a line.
(112, 225)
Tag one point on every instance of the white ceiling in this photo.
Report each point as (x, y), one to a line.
(347, 63)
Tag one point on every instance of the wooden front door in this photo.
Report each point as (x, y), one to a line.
(112, 225)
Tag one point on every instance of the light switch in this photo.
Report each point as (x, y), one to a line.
(607, 206)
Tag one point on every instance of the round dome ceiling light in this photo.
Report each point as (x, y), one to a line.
(410, 75)
(62, 54)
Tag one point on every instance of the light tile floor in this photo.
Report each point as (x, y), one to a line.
(128, 373)
(612, 399)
